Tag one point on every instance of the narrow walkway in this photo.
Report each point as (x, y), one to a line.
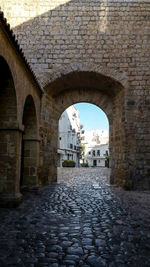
(80, 221)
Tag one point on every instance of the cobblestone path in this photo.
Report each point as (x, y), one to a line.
(78, 221)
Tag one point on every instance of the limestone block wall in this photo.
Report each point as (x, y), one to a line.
(61, 36)
(108, 37)
(48, 141)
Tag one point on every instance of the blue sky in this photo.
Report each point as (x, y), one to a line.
(92, 117)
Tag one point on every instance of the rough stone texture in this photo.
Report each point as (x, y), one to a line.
(79, 221)
(88, 51)
(83, 35)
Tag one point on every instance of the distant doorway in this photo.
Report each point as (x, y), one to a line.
(94, 163)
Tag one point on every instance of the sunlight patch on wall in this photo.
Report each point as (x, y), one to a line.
(103, 18)
(18, 12)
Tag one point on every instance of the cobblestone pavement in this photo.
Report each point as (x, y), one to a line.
(79, 221)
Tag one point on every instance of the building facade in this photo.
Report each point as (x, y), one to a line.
(69, 136)
(96, 156)
(95, 147)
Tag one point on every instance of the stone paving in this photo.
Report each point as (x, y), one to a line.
(79, 221)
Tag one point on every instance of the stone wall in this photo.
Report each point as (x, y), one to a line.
(106, 37)
(62, 36)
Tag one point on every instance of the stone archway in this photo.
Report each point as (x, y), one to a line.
(9, 138)
(109, 95)
(30, 147)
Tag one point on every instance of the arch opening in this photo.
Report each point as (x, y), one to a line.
(8, 103)
(9, 149)
(30, 147)
(83, 136)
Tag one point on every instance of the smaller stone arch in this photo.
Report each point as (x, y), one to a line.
(30, 146)
(75, 96)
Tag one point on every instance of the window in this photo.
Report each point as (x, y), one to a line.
(98, 152)
(71, 145)
(75, 147)
(99, 161)
(59, 138)
(74, 115)
(93, 152)
(89, 152)
(68, 156)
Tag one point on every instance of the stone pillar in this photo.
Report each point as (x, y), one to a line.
(30, 164)
(118, 145)
(10, 157)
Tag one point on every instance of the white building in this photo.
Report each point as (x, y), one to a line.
(96, 147)
(69, 136)
(95, 156)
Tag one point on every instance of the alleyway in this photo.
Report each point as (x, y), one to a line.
(80, 221)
